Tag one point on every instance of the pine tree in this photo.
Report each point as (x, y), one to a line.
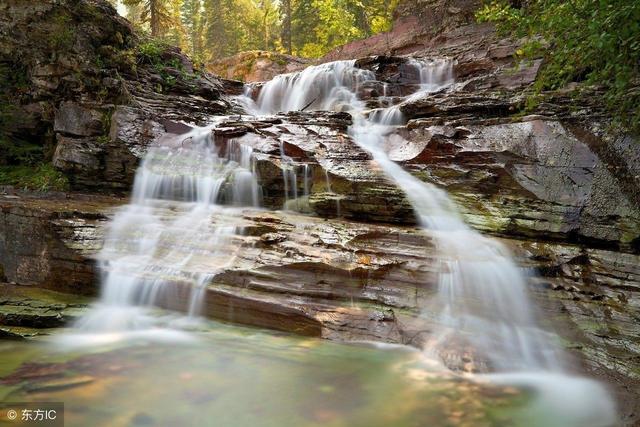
(155, 13)
(193, 22)
(286, 12)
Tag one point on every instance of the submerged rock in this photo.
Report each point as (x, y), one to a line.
(26, 311)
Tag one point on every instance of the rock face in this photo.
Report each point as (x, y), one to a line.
(339, 177)
(345, 261)
(417, 23)
(342, 280)
(46, 242)
(256, 66)
(534, 178)
(90, 92)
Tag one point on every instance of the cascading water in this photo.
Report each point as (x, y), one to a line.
(173, 236)
(177, 233)
(481, 298)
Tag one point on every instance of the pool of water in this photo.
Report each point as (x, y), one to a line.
(232, 376)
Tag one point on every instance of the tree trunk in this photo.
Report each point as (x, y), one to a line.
(286, 26)
(154, 17)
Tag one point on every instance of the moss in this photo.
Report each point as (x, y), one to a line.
(62, 34)
(103, 139)
(42, 177)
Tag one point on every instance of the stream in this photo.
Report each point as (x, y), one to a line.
(127, 363)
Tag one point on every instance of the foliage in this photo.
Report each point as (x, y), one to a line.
(41, 177)
(150, 51)
(320, 25)
(596, 42)
(213, 29)
(158, 14)
(62, 35)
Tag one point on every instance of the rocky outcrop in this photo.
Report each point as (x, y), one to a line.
(47, 241)
(256, 66)
(417, 24)
(88, 80)
(314, 152)
(535, 178)
(552, 175)
(341, 280)
(26, 311)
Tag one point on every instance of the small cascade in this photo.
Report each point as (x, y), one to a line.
(328, 87)
(244, 189)
(290, 178)
(435, 74)
(307, 180)
(482, 301)
(502, 327)
(175, 234)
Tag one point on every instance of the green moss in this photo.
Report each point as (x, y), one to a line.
(42, 177)
(103, 139)
(22, 152)
(62, 35)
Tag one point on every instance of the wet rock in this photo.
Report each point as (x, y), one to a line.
(46, 242)
(536, 178)
(340, 279)
(340, 178)
(28, 311)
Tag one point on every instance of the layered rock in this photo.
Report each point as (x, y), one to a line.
(256, 66)
(47, 241)
(341, 280)
(26, 311)
(551, 176)
(90, 92)
(536, 178)
(314, 147)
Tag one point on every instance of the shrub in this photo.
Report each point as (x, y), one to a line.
(596, 42)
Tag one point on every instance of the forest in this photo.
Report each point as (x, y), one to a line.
(213, 29)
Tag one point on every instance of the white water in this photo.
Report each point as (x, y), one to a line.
(482, 300)
(174, 236)
(171, 238)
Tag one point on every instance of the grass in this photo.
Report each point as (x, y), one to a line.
(41, 177)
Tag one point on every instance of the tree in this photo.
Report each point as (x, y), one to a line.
(286, 25)
(596, 42)
(193, 21)
(155, 13)
(269, 22)
(213, 29)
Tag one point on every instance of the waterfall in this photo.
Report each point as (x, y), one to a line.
(175, 234)
(482, 299)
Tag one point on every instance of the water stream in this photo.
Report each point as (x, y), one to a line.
(179, 229)
(482, 301)
(183, 225)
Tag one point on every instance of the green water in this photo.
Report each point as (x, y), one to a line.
(232, 376)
